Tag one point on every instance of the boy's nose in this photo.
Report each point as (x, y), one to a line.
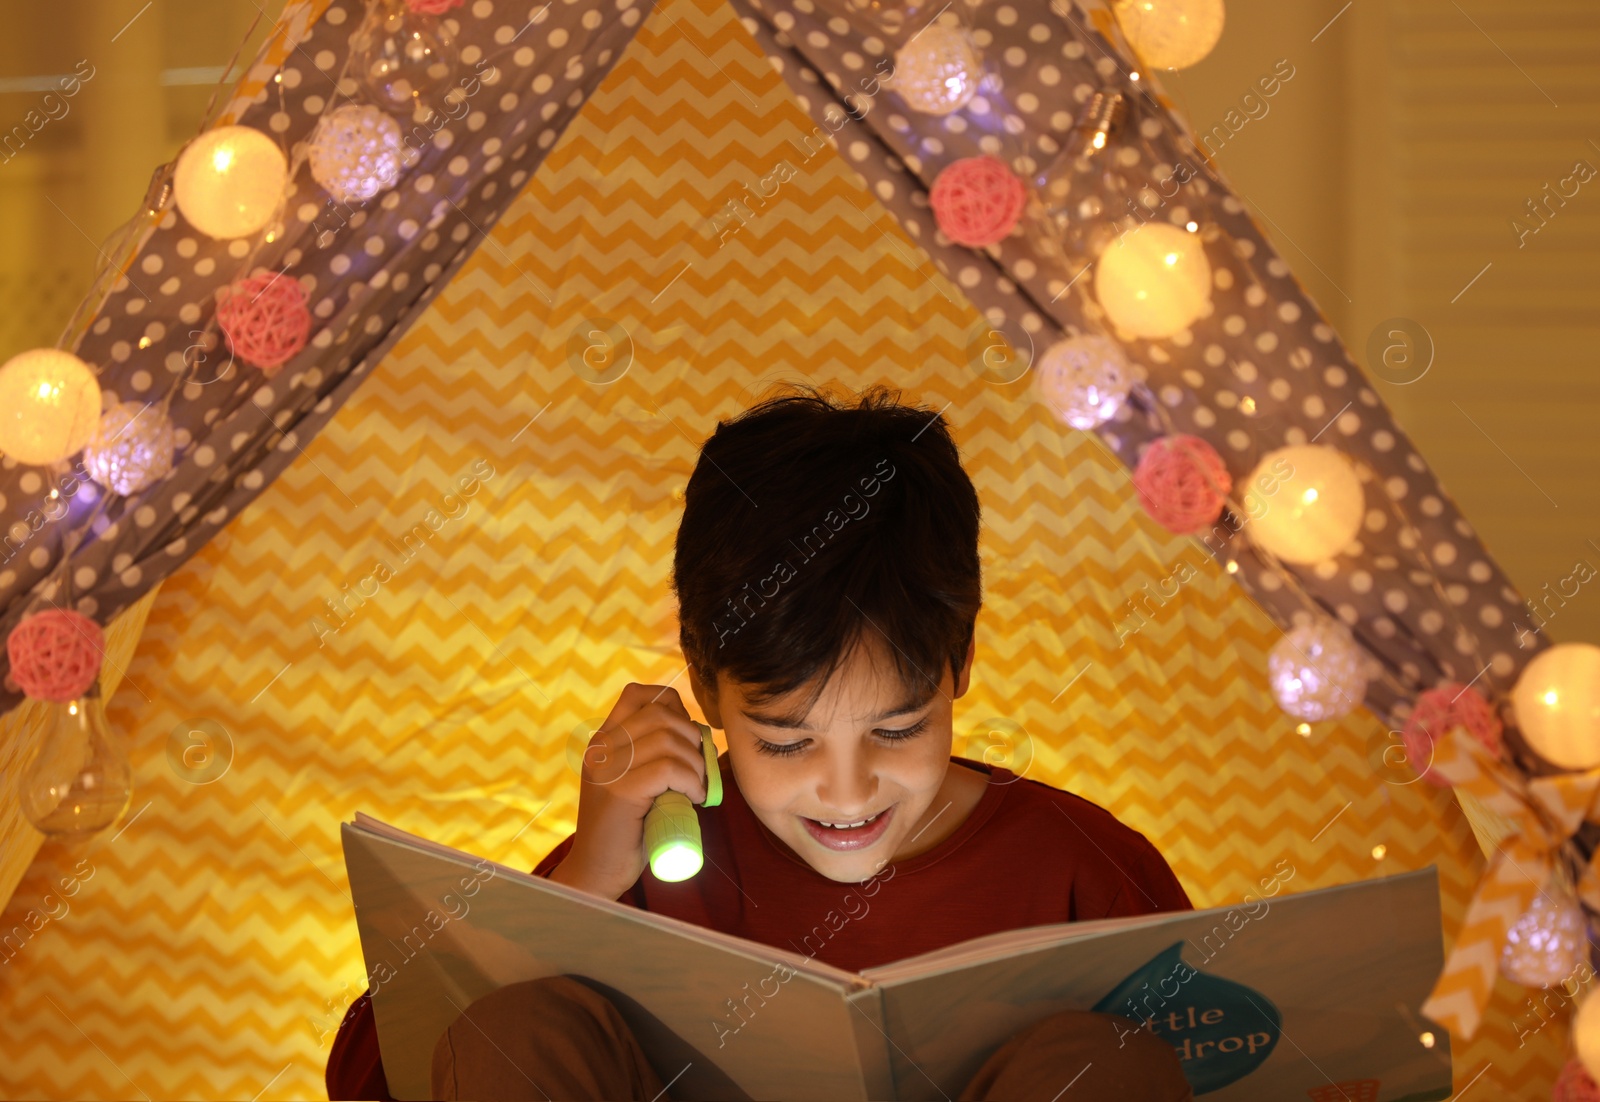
(847, 786)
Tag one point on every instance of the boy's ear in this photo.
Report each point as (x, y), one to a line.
(707, 699)
(964, 676)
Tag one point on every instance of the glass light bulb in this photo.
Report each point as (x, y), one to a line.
(80, 781)
(894, 19)
(1085, 199)
(407, 60)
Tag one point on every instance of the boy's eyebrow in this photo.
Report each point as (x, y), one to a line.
(799, 722)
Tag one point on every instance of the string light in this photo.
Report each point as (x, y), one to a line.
(1084, 379)
(1318, 671)
(1170, 34)
(49, 406)
(229, 181)
(1155, 281)
(937, 72)
(1557, 701)
(1317, 508)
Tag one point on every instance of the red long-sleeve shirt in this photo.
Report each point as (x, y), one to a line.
(1027, 855)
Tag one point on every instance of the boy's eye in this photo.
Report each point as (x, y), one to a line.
(784, 749)
(909, 732)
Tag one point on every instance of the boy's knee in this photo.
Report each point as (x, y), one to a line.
(1103, 1056)
(507, 1023)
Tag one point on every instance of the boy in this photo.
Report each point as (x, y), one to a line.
(828, 584)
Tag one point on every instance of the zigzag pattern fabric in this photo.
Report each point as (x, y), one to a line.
(523, 512)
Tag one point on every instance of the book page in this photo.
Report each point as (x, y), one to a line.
(992, 947)
(1277, 999)
(730, 942)
(719, 1016)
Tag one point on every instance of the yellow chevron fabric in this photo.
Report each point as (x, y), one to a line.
(211, 949)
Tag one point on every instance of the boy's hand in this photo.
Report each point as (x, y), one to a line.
(647, 745)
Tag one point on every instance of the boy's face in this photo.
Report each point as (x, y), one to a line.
(843, 764)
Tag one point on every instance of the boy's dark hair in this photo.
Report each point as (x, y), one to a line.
(808, 523)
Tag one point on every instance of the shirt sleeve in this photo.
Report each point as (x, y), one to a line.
(1148, 885)
(355, 1068)
(545, 867)
(633, 897)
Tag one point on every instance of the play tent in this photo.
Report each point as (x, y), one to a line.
(408, 573)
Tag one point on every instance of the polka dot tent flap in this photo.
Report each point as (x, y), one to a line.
(411, 569)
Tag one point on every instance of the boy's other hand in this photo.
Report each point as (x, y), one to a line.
(647, 745)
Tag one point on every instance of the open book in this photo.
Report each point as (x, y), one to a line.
(1296, 996)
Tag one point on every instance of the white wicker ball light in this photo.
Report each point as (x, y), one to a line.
(132, 447)
(356, 152)
(1318, 671)
(1084, 380)
(1544, 946)
(938, 71)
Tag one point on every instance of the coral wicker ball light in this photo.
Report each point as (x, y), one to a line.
(49, 405)
(264, 318)
(1575, 1085)
(56, 654)
(1155, 281)
(938, 71)
(1084, 380)
(1182, 483)
(1317, 671)
(131, 449)
(229, 180)
(1438, 711)
(356, 152)
(977, 201)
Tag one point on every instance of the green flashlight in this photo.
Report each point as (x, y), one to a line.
(672, 827)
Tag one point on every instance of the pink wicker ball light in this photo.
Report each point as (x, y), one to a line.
(1182, 483)
(265, 319)
(433, 7)
(1436, 712)
(1574, 1085)
(977, 201)
(55, 655)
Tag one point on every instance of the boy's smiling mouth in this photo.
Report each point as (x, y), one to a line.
(844, 837)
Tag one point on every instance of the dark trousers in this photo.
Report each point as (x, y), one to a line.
(558, 1039)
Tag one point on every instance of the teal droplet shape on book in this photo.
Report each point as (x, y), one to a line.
(1221, 1030)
